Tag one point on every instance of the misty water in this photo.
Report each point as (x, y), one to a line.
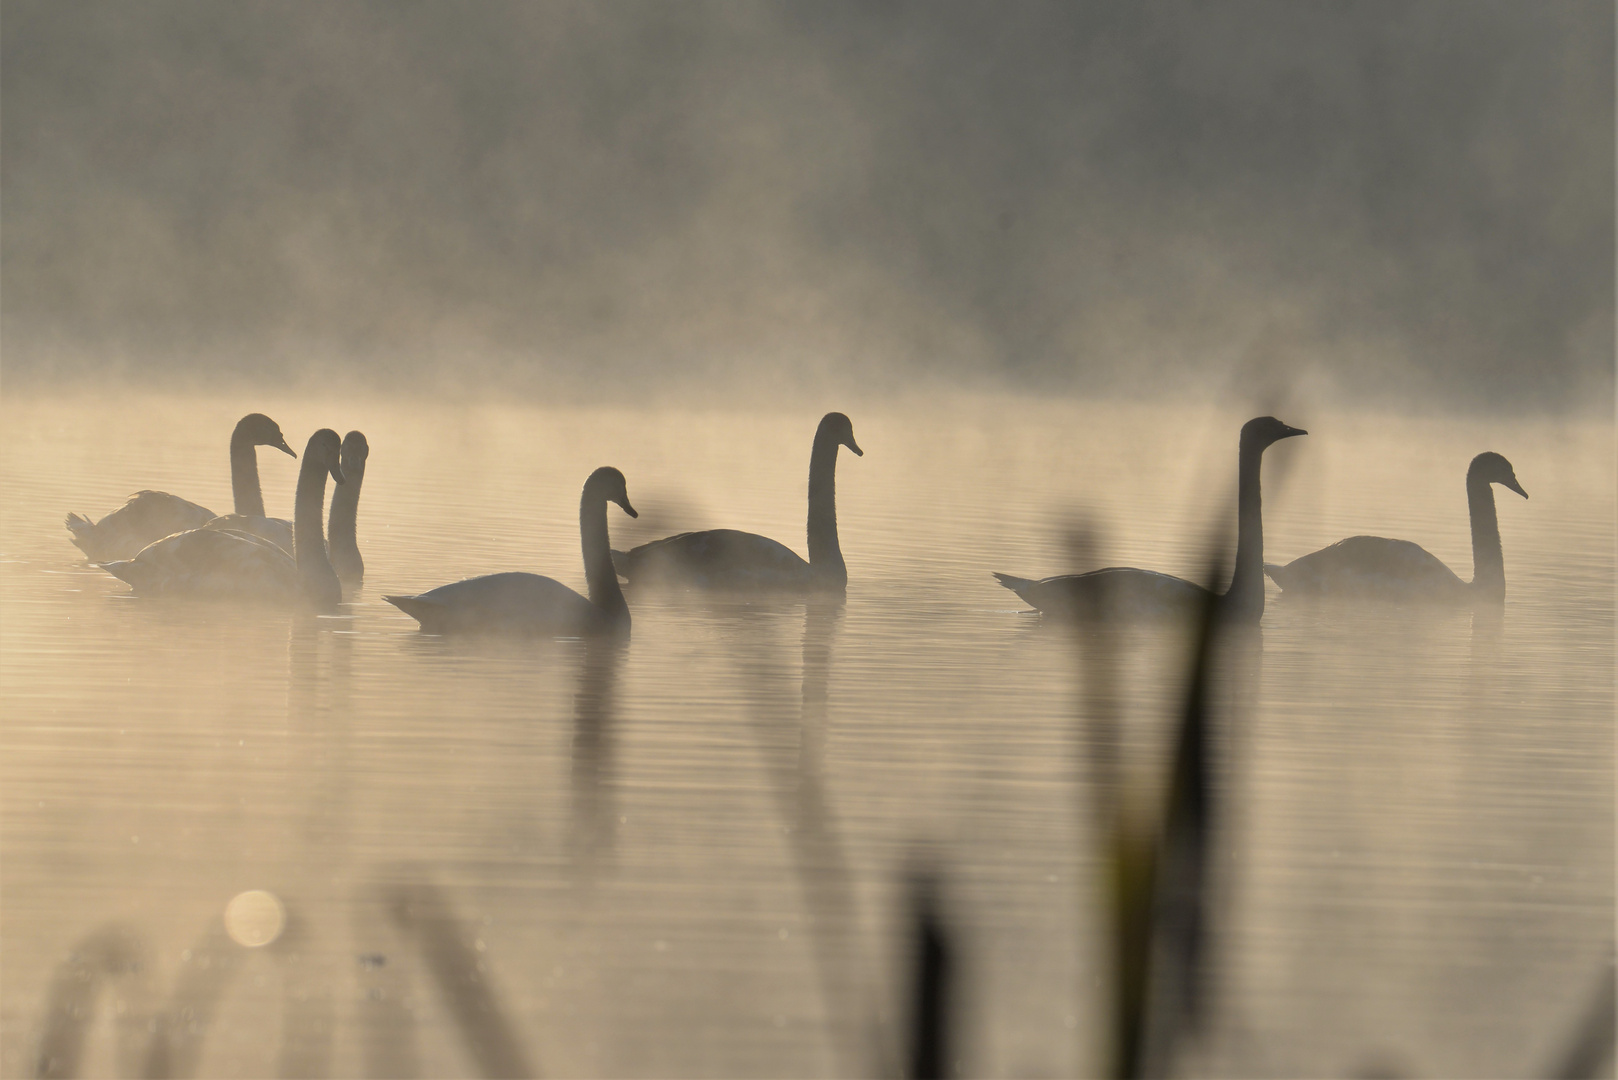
(689, 856)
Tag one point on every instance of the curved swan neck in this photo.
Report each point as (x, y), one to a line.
(1247, 582)
(599, 574)
(1488, 561)
(825, 554)
(345, 507)
(244, 485)
(309, 541)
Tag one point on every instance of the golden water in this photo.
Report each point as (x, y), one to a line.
(689, 858)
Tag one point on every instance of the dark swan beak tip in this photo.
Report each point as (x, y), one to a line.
(630, 510)
(855, 447)
(1295, 431)
(337, 474)
(287, 450)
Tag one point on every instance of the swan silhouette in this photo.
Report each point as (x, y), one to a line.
(221, 563)
(1124, 591)
(530, 604)
(730, 559)
(1379, 568)
(341, 542)
(152, 515)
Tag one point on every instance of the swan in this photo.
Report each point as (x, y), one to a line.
(1126, 591)
(1374, 566)
(217, 562)
(530, 604)
(727, 558)
(342, 545)
(152, 515)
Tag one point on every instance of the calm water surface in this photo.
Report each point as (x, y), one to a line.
(688, 856)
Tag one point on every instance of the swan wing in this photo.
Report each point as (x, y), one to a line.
(504, 603)
(1115, 592)
(208, 562)
(716, 558)
(277, 531)
(1371, 567)
(146, 516)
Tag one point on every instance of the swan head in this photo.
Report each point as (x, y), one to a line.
(260, 430)
(1490, 468)
(840, 429)
(355, 450)
(1262, 431)
(608, 484)
(325, 450)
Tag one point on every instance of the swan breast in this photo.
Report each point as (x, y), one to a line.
(716, 558)
(512, 602)
(1372, 567)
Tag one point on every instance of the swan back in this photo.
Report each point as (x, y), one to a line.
(145, 517)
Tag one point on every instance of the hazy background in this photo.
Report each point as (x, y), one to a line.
(1401, 204)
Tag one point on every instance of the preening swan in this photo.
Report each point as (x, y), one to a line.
(1376, 567)
(1123, 591)
(530, 604)
(341, 542)
(152, 515)
(216, 562)
(728, 559)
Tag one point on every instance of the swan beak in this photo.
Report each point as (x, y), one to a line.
(1514, 486)
(624, 502)
(284, 448)
(337, 473)
(854, 446)
(1291, 431)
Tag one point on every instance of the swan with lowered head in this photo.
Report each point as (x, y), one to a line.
(1123, 591)
(522, 603)
(220, 563)
(1376, 567)
(729, 559)
(341, 542)
(152, 515)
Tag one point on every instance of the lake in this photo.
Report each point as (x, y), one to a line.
(692, 855)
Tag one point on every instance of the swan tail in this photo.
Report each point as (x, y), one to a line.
(425, 612)
(1278, 574)
(125, 570)
(1018, 585)
(621, 562)
(83, 532)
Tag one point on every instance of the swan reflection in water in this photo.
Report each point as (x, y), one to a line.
(595, 817)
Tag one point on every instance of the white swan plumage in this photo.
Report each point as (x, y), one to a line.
(221, 563)
(522, 603)
(1375, 567)
(152, 515)
(731, 559)
(1126, 592)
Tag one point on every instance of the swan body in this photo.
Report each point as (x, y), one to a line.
(521, 603)
(341, 542)
(146, 516)
(1126, 592)
(1375, 567)
(1124, 589)
(236, 565)
(730, 559)
(152, 515)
